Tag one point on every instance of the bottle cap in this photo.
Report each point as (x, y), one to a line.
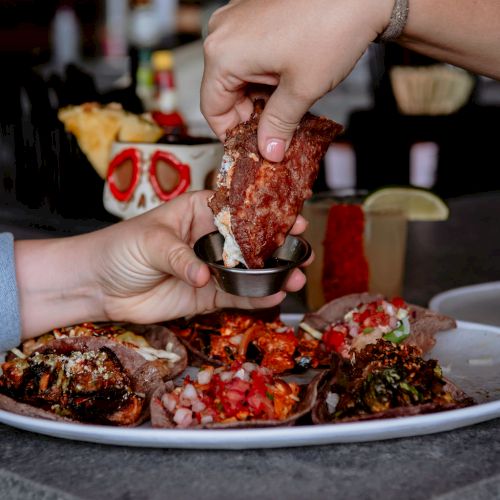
(163, 60)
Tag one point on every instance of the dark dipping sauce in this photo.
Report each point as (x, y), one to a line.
(270, 263)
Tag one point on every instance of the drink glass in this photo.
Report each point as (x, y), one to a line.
(368, 250)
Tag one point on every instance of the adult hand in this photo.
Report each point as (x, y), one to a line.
(141, 270)
(302, 49)
(149, 271)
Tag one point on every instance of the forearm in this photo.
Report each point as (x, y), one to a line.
(56, 284)
(462, 32)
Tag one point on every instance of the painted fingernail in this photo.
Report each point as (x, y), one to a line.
(275, 149)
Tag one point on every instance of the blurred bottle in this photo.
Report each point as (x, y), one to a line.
(144, 26)
(144, 85)
(115, 41)
(166, 112)
(65, 38)
(166, 15)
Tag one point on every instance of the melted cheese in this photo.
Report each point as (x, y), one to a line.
(231, 254)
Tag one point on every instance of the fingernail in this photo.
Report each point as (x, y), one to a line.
(192, 272)
(275, 149)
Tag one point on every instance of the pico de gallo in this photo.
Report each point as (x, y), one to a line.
(243, 392)
(363, 325)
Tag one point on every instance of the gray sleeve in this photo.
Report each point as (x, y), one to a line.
(10, 321)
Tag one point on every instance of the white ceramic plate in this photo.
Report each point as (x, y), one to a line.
(476, 303)
(470, 356)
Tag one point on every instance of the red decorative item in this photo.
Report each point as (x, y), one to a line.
(124, 193)
(173, 162)
(345, 267)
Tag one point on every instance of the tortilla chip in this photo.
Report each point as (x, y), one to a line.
(96, 127)
(138, 129)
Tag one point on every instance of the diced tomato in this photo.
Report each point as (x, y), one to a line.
(398, 302)
(376, 319)
(260, 404)
(333, 339)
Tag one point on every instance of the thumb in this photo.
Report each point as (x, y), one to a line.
(180, 261)
(278, 122)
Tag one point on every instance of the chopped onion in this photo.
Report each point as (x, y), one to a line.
(198, 406)
(207, 419)
(183, 417)
(242, 374)
(236, 340)
(332, 400)
(205, 376)
(226, 376)
(282, 329)
(189, 393)
(393, 322)
(402, 313)
(249, 367)
(169, 401)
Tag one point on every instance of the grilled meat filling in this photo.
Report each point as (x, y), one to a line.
(87, 386)
(386, 377)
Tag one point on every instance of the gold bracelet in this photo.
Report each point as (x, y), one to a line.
(397, 22)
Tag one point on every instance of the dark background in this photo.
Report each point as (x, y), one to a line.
(46, 181)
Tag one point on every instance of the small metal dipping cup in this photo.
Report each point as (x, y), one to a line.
(252, 282)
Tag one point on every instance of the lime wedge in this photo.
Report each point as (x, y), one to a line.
(417, 204)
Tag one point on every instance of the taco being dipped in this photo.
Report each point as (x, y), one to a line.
(243, 395)
(348, 324)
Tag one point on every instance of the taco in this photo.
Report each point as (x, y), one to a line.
(244, 395)
(347, 324)
(232, 335)
(83, 379)
(384, 380)
(156, 344)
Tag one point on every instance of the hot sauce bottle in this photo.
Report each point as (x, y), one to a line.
(166, 114)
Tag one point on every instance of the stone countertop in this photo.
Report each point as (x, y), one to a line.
(460, 464)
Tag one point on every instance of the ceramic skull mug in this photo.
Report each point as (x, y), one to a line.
(142, 176)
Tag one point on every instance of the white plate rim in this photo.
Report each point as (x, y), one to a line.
(437, 300)
(269, 437)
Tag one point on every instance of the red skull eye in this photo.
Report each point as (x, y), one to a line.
(169, 177)
(123, 174)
